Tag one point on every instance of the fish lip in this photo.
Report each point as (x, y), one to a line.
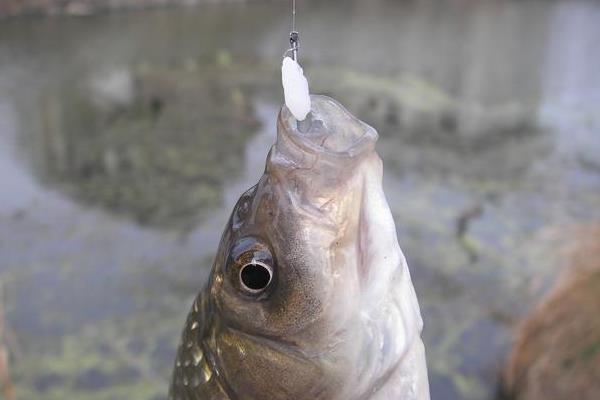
(360, 144)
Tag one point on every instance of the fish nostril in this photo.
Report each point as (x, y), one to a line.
(255, 276)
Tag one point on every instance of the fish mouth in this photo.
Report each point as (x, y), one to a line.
(315, 160)
(329, 130)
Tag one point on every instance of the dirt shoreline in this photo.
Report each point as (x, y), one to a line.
(13, 8)
(557, 349)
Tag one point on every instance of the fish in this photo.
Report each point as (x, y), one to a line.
(310, 296)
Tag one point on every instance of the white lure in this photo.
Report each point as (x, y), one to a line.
(295, 88)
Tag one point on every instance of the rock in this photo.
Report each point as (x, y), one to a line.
(556, 355)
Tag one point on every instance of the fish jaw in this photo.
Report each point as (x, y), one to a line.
(370, 313)
(315, 166)
(331, 177)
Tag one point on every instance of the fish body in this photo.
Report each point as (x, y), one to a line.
(310, 296)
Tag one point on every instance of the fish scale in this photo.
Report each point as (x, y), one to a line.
(193, 376)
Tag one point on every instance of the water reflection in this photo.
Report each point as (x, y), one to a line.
(120, 166)
(151, 146)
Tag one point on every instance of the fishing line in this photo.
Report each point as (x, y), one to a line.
(294, 36)
(293, 15)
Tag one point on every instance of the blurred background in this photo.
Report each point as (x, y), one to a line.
(128, 132)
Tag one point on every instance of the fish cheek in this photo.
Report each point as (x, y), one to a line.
(296, 300)
(294, 305)
(260, 368)
(292, 300)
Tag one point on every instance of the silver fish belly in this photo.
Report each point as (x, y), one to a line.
(310, 296)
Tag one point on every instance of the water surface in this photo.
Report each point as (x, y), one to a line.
(126, 139)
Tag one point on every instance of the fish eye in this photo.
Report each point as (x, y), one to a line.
(251, 267)
(255, 277)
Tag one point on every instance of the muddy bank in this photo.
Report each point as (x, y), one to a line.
(10, 8)
(557, 349)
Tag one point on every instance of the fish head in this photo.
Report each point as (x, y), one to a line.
(305, 280)
(292, 228)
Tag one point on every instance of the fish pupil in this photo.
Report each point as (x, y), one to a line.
(255, 277)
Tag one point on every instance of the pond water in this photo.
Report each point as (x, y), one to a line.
(126, 139)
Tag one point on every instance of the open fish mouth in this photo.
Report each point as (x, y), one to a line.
(315, 159)
(330, 129)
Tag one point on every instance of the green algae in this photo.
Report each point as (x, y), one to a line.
(103, 361)
(590, 351)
